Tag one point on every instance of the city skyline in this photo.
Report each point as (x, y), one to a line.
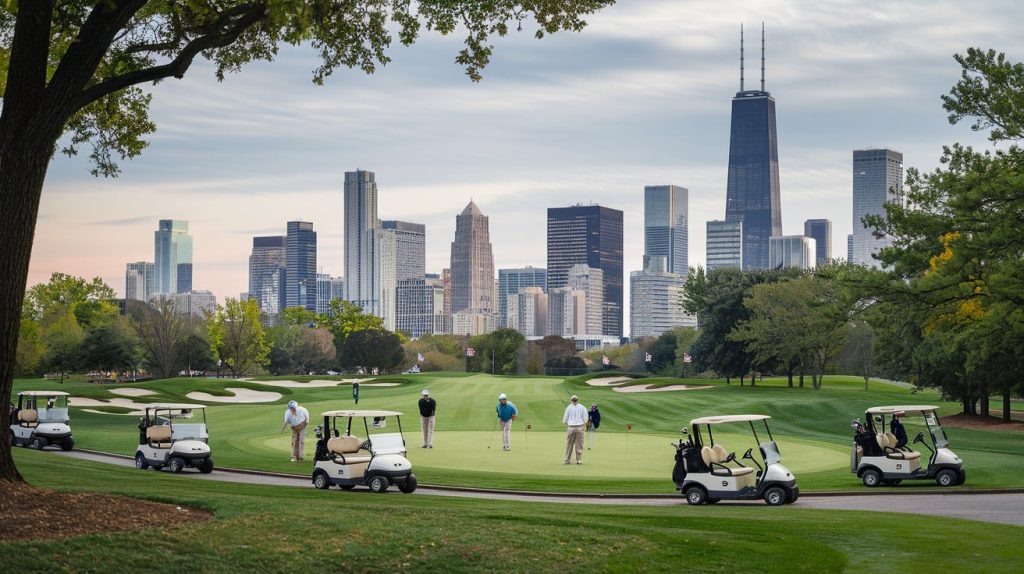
(639, 98)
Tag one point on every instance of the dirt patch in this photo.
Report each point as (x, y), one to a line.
(978, 422)
(30, 513)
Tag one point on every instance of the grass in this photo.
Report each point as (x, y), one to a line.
(289, 529)
(812, 428)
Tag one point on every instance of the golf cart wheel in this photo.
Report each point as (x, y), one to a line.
(140, 461)
(775, 496)
(37, 443)
(946, 477)
(696, 495)
(871, 478)
(346, 486)
(206, 466)
(408, 485)
(68, 444)
(321, 481)
(177, 464)
(379, 484)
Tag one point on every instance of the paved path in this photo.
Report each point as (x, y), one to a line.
(1000, 508)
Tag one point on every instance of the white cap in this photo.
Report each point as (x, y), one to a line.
(292, 404)
(575, 398)
(502, 396)
(425, 392)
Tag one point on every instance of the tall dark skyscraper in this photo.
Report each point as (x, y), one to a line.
(300, 262)
(267, 273)
(821, 231)
(752, 195)
(590, 235)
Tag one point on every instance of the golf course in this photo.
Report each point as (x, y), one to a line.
(303, 529)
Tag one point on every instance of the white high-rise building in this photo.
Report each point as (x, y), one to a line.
(877, 180)
(528, 312)
(724, 244)
(410, 248)
(139, 281)
(590, 280)
(194, 303)
(420, 307)
(567, 312)
(656, 300)
(792, 251)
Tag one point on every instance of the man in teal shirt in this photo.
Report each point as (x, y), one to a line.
(507, 413)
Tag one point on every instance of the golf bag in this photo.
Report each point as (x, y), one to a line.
(321, 444)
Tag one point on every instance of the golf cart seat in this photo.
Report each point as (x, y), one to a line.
(716, 456)
(345, 450)
(28, 418)
(159, 436)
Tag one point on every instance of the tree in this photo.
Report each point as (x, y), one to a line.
(69, 292)
(857, 356)
(110, 348)
(372, 349)
(161, 333)
(313, 350)
(74, 68)
(237, 337)
(62, 338)
(497, 352)
(30, 349)
(196, 354)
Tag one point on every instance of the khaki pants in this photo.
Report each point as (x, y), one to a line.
(299, 440)
(427, 426)
(506, 431)
(574, 440)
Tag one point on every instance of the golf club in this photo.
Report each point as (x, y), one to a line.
(490, 441)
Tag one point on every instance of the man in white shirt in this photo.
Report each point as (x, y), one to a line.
(296, 417)
(574, 419)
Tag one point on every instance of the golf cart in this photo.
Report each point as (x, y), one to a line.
(877, 460)
(706, 471)
(175, 436)
(346, 460)
(41, 419)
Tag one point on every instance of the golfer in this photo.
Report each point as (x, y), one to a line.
(593, 421)
(428, 407)
(507, 413)
(574, 418)
(296, 417)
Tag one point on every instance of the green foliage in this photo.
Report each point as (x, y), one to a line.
(372, 349)
(160, 333)
(345, 318)
(110, 347)
(497, 352)
(30, 349)
(236, 336)
(67, 292)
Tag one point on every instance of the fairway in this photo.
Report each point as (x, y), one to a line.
(631, 453)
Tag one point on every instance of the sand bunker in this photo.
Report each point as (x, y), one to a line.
(321, 383)
(649, 389)
(125, 403)
(130, 392)
(608, 381)
(241, 396)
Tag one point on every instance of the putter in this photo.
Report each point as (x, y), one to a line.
(490, 441)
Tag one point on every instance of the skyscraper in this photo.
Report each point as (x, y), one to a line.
(877, 179)
(528, 311)
(139, 281)
(792, 251)
(752, 195)
(666, 225)
(511, 281)
(410, 248)
(724, 244)
(360, 223)
(656, 300)
(472, 263)
(300, 264)
(267, 273)
(420, 307)
(590, 235)
(821, 231)
(172, 257)
(589, 280)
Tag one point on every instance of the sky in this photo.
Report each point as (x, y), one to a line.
(641, 97)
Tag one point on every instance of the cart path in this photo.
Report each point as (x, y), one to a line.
(1004, 508)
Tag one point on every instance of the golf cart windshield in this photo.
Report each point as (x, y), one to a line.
(50, 408)
(939, 436)
(770, 452)
(181, 430)
(387, 443)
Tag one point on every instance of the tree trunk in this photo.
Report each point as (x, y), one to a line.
(22, 173)
(1006, 403)
(789, 376)
(801, 376)
(984, 401)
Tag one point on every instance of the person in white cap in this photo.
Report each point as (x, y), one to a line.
(507, 412)
(574, 418)
(296, 417)
(428, 407)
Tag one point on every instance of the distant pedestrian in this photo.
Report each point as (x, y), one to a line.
(298, 418)
(575, 418)
(355, 391)
(507, 413)
(428, 407)
(593, 421)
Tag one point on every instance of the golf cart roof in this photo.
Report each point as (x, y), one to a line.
(352, 413)
(728, 419)
(905, 408)
(42, 394)
(173, 406)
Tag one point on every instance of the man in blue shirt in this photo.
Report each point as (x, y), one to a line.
(507, 413)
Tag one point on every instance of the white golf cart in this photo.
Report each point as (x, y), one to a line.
(705, 471)
(346, 460)
(174, 436)
(877, 460)
(41, 419)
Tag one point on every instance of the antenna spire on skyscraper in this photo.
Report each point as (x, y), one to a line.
(741, 56)
(762, 56)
